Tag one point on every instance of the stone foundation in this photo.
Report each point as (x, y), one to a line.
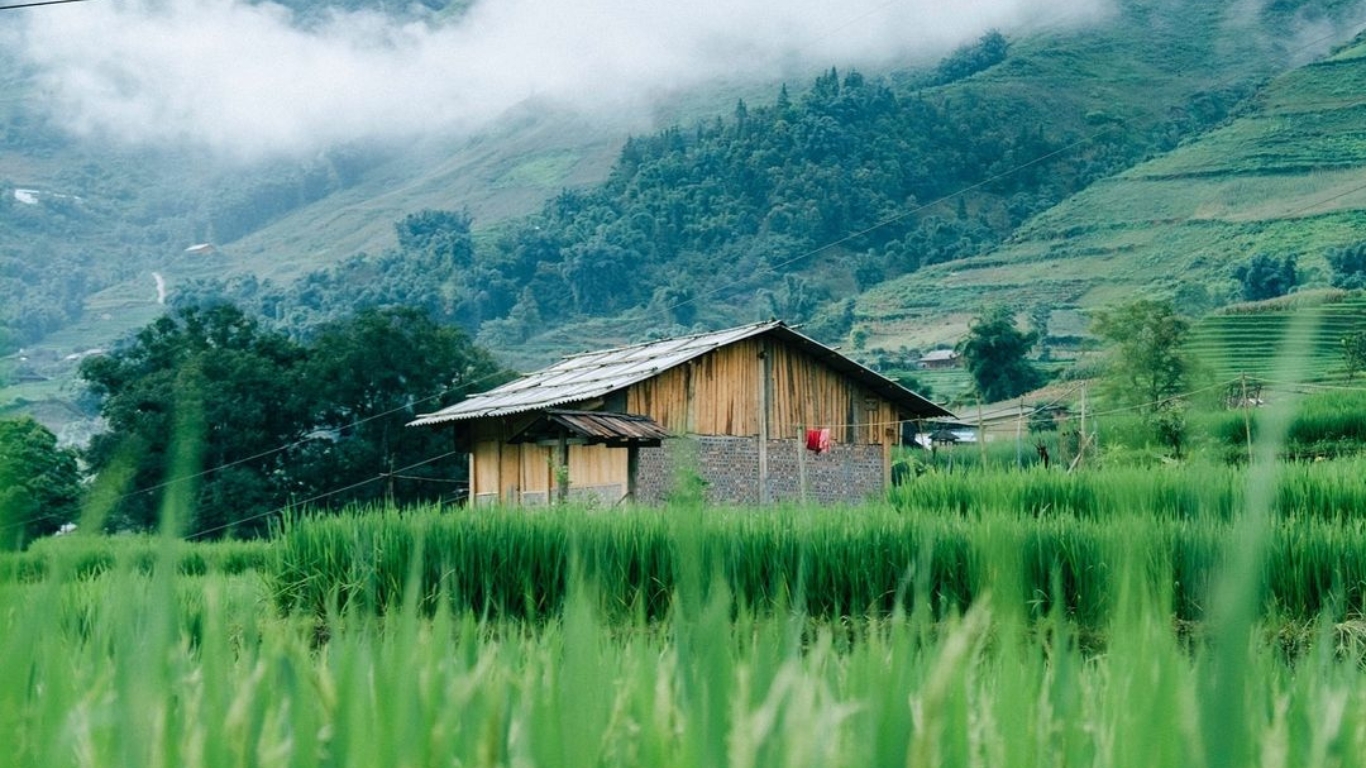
(729, 467)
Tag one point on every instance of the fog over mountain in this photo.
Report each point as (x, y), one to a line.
(251, 79)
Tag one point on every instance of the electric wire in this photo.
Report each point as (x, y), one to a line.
(38, 3)
(319, 497)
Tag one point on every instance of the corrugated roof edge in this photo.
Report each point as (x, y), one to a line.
(904, 398)
(641, 344)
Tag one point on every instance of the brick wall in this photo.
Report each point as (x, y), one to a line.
(730, 468)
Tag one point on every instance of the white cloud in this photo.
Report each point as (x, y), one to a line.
(248, 79)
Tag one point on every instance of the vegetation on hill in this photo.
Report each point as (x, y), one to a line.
(934, 180)
(1280, 183)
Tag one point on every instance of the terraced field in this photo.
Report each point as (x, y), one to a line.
(1286, 177)
(1252, 340)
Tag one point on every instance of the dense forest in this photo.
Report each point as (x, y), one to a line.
(774, 209)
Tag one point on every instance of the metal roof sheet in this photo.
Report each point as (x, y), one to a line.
(595, 426)
(593, 374)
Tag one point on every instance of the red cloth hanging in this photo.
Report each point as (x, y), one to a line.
(818, 440)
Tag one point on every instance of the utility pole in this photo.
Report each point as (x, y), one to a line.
(1084, 437)
(1019, 435)
(981, 434)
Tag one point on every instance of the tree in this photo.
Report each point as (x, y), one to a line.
(1147, 363)
(1354, 353)
(1266, 277)
(39, 482)
(995, 353)
(1039, 315)
(1349, 266)
(269, 421)
(207, 379)
(368, 377)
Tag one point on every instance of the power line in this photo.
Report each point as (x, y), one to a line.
(40, 2)
(280, 510)
(205, 473)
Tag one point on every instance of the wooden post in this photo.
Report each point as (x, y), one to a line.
(801, 461)
(562, 469)
(1083, 438)
(632, 469)
(981, 435)
(1247, 420)
(764, 398)
(1019, 436)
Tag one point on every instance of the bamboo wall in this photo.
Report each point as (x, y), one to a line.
(720, 392)
(715, 394)
(806, 394)
(526, 473)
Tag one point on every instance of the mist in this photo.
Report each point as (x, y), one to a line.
(250, 80)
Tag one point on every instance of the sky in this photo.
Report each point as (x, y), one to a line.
(249, 80)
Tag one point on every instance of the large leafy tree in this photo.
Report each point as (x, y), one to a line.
(227, 391)
(235, 421)
(367, 377)
(39, 482)
(1148, 365)
(996, 353)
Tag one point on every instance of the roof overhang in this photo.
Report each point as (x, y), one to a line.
(615, 430)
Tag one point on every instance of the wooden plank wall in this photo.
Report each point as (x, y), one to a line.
(718, 394)
(807, 394)
(715, 394)
(597, 465)
(512, 470)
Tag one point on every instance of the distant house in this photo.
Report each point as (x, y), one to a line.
(939, 359)
(740, 409)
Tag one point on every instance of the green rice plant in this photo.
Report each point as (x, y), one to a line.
(947, 534)
(85, 556)
(224, 680)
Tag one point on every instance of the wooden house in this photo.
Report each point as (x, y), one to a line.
(736, 408)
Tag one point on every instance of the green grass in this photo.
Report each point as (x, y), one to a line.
(158, 667)
(945, 526)
(1231, 343)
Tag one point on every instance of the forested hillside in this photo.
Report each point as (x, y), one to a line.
(792, 202)
(792, 206)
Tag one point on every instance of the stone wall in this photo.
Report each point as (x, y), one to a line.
(730, 468)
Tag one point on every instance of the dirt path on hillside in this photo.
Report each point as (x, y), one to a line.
(161, 287)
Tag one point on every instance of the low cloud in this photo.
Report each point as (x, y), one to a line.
(249, 80)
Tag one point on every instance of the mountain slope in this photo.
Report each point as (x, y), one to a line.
(1286, 177)
(1059, 112)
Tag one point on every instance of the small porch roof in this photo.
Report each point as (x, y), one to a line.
(618, 430)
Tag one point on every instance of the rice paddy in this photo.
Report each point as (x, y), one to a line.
(1113, 617)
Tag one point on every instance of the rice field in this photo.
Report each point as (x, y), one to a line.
(1118, 617)
(1233, 343)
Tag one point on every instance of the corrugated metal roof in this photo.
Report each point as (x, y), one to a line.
(938, 355)
(590, 375)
